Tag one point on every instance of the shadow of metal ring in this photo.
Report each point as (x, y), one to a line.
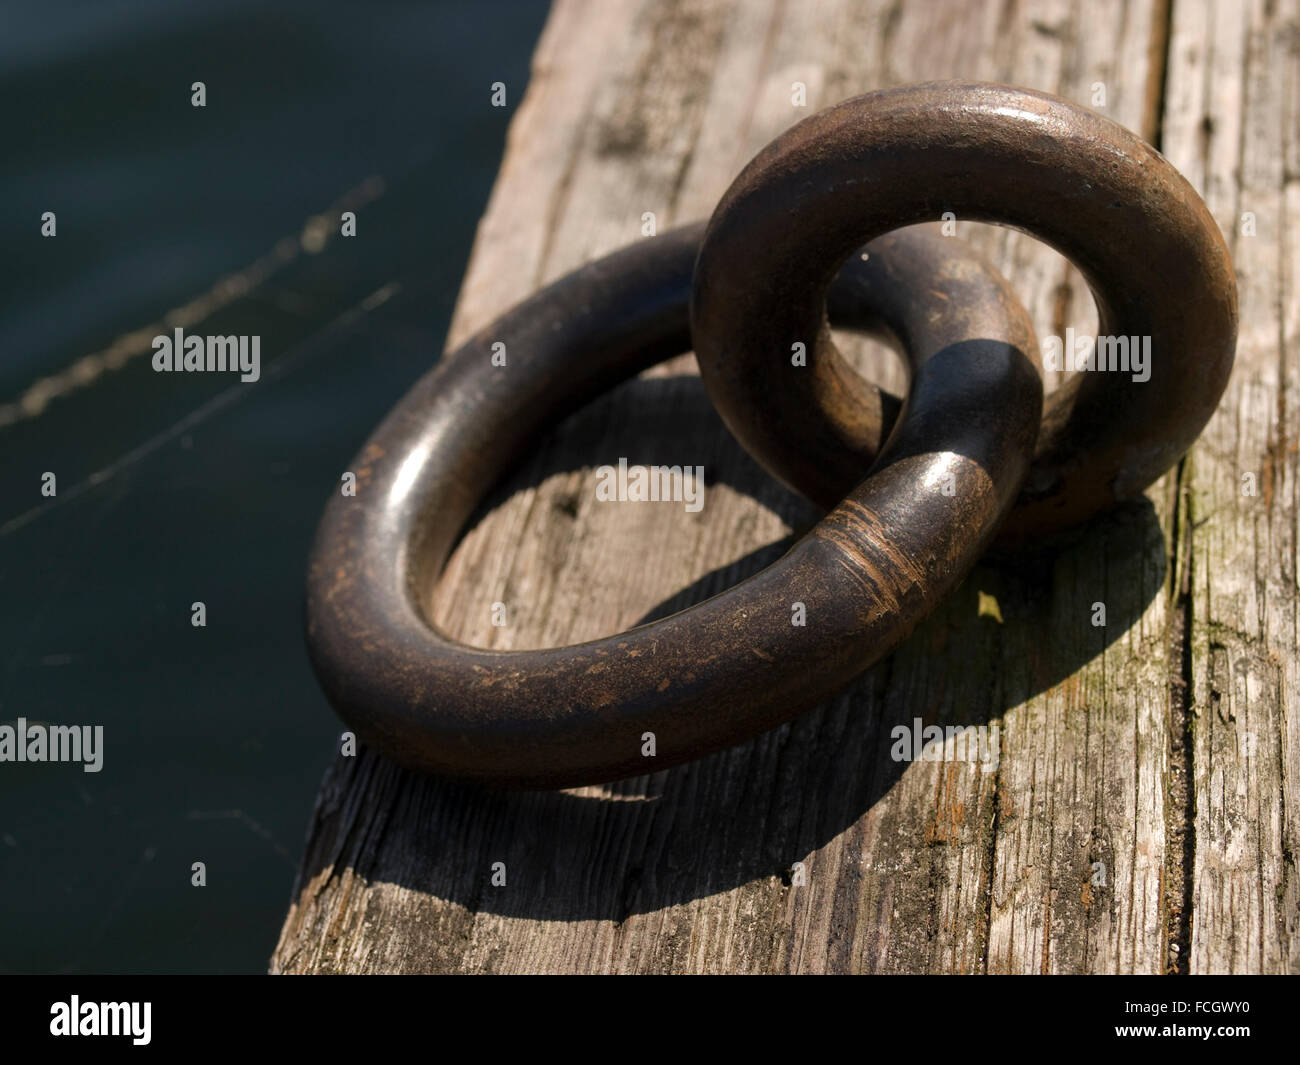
(1151, 253)
(726, 669)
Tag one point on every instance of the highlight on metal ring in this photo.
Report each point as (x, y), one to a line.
(1151, 253)
(726, 669)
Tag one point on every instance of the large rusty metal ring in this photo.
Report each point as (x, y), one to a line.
(726, 669)
(1148, 248)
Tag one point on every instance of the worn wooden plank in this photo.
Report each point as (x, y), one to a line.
(1233, 125)
(1057, 858)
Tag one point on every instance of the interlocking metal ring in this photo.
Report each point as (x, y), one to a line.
(1141, 236)
(723, 670)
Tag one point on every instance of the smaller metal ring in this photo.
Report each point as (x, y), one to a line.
(716, 673)
(1151, 253)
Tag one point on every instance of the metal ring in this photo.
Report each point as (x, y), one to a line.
(1148, 248)
(716, 673)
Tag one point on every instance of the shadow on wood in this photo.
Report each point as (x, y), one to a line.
(652, 842)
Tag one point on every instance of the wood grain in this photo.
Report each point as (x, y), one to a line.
(1233, 126)
(1124, 827)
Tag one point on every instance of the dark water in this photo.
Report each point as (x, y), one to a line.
(179, 488)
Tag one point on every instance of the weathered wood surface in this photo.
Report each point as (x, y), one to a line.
(1143, 814)
(1233, 126)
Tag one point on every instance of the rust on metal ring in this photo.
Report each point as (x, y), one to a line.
(1144, 241)
(725, 669)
